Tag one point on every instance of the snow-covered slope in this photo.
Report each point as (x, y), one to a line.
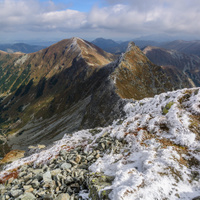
(159, 152)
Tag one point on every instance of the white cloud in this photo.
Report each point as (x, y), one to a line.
(35, 16)
(119, 17)
(171, 16)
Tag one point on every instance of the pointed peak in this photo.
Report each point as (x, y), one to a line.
(130, 46)
(133, 54)
(76, 38)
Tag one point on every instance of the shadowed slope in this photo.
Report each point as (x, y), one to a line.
(185, 67)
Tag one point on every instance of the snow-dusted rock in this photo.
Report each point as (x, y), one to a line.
(152, 153)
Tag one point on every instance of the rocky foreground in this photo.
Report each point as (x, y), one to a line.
(64, 177)
(152, 153)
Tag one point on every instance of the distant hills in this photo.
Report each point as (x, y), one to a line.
(188, 47)
(111, 46)
(118, 48)
(20, 47)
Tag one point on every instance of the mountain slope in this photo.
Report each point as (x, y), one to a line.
(188, 47)
(178, 63)
(74, 85)
(153, 153)
(107, 45)
(137, 77)
(67, 88)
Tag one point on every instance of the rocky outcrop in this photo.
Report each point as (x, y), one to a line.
(63, 177)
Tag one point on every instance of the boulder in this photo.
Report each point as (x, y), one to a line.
(27, 196)
(63, 196)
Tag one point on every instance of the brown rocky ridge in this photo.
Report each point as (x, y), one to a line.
(72, 85)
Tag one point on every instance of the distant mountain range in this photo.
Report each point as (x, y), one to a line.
(20, 47)
(188, 47)
(118, 48)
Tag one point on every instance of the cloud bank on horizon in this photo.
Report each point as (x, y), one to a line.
(108, 18)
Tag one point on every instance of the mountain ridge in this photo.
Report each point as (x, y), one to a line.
(73, 85)
(60, 79)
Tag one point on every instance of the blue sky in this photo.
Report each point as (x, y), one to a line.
(80, 5)
(42, 20)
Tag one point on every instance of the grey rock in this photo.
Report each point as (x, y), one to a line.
(78, 159)
(52, 161)
(63, 153)
(72, 197)
(69, 180)
(97, 183)
(55, 172)
(27, 187)
(69, 190)
(7, 197)
(45, 168)
(27, 196)
(63, 196)
(37, 171)
(24, 168)
(47, 197)
(28, 177)
(83, 166)
(73, 162)
(47, 177)
(16, 193)
(41, 193)
(103, 145)
(35, 184)
(66, 166)
(39, 177)
(2, 189)
(21, 174)
(89, 158)
(15, 187)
